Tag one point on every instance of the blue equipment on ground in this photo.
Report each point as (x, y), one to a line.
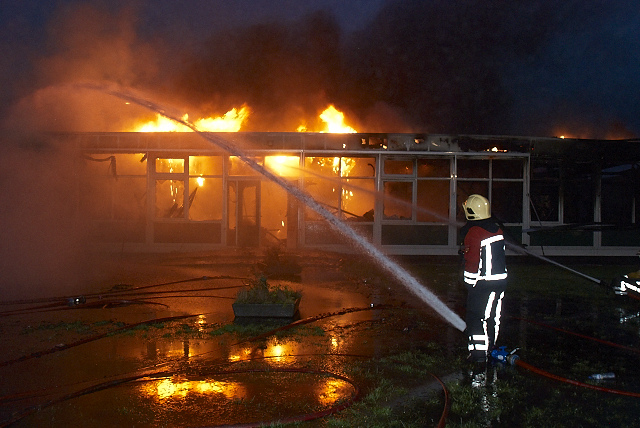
(501, 355)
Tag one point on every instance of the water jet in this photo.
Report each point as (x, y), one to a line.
(391, 267)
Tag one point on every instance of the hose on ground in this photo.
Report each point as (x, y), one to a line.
(545, 373)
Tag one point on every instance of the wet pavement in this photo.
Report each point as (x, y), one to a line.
(155, 342)
(57, 348)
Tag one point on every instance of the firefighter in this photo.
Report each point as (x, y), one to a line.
(485, 276)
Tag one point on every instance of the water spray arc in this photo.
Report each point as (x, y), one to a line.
(366, 247)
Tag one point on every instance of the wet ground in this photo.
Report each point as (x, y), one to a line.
(153, 342)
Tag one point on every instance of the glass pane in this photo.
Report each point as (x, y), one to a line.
(273, 212)
(579, 199)
(545, 201)
(205, 199)
(175, 166)
(205, 165)
(393, 166)
(326, 192)
(398, 197)
(239, 167)
(99, 165)
(545, 190)
(617, 200)
(327, 166)
(169, 198)
(433, 168)
(507, 168)
(547, 169)
(433, 201)
(473, 168)
(358, 199)
(358, 167)
(283, 166)
(131, 164)
(506, 201)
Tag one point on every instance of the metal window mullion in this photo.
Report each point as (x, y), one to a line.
(526, 197)
(597, 208)
(225, 199)
(377, 203)
(453, 201)
(414, 191)
(150, 199)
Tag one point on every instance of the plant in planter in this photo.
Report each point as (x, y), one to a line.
(262, 299)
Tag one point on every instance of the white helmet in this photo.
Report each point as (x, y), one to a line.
(476, 207)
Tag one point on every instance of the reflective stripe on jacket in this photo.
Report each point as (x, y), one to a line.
(485, 259)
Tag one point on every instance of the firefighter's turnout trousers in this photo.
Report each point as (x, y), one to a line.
(484, 304)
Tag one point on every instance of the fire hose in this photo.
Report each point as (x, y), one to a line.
(522, 249)
(501, 355)
(114, 291)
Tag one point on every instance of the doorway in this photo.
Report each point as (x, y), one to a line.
(243, 213)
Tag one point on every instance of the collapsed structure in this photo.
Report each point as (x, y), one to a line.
(177, 191)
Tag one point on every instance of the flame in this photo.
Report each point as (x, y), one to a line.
(284, 166)
(162, 124)
(231, 121)
(334, 121)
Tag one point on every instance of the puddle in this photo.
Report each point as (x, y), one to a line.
(231, 398)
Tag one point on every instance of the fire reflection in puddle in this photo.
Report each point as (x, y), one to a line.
(201, 323)
(164, 389)
(273, 352)
(331, 390)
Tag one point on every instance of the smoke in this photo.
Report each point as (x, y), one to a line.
(44, 245)
(475, 66)
(43, 236)
(84, 42)
(281, 70)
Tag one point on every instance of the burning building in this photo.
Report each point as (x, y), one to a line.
(177, 191)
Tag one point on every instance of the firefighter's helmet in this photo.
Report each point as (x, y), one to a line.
(476, 207)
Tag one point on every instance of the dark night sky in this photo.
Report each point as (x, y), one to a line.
(540, 67)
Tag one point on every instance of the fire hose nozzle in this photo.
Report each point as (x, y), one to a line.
(501, 355)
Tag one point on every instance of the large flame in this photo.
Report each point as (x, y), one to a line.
(334, 122)
(231, 121)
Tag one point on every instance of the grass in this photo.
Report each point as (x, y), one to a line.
(261, 292)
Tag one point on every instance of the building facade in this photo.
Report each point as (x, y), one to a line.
(403, 192)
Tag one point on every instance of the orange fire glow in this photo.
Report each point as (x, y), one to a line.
(284, 166)
(334, 122)
(231, 121)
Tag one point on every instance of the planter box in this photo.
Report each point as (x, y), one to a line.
(267, 310)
